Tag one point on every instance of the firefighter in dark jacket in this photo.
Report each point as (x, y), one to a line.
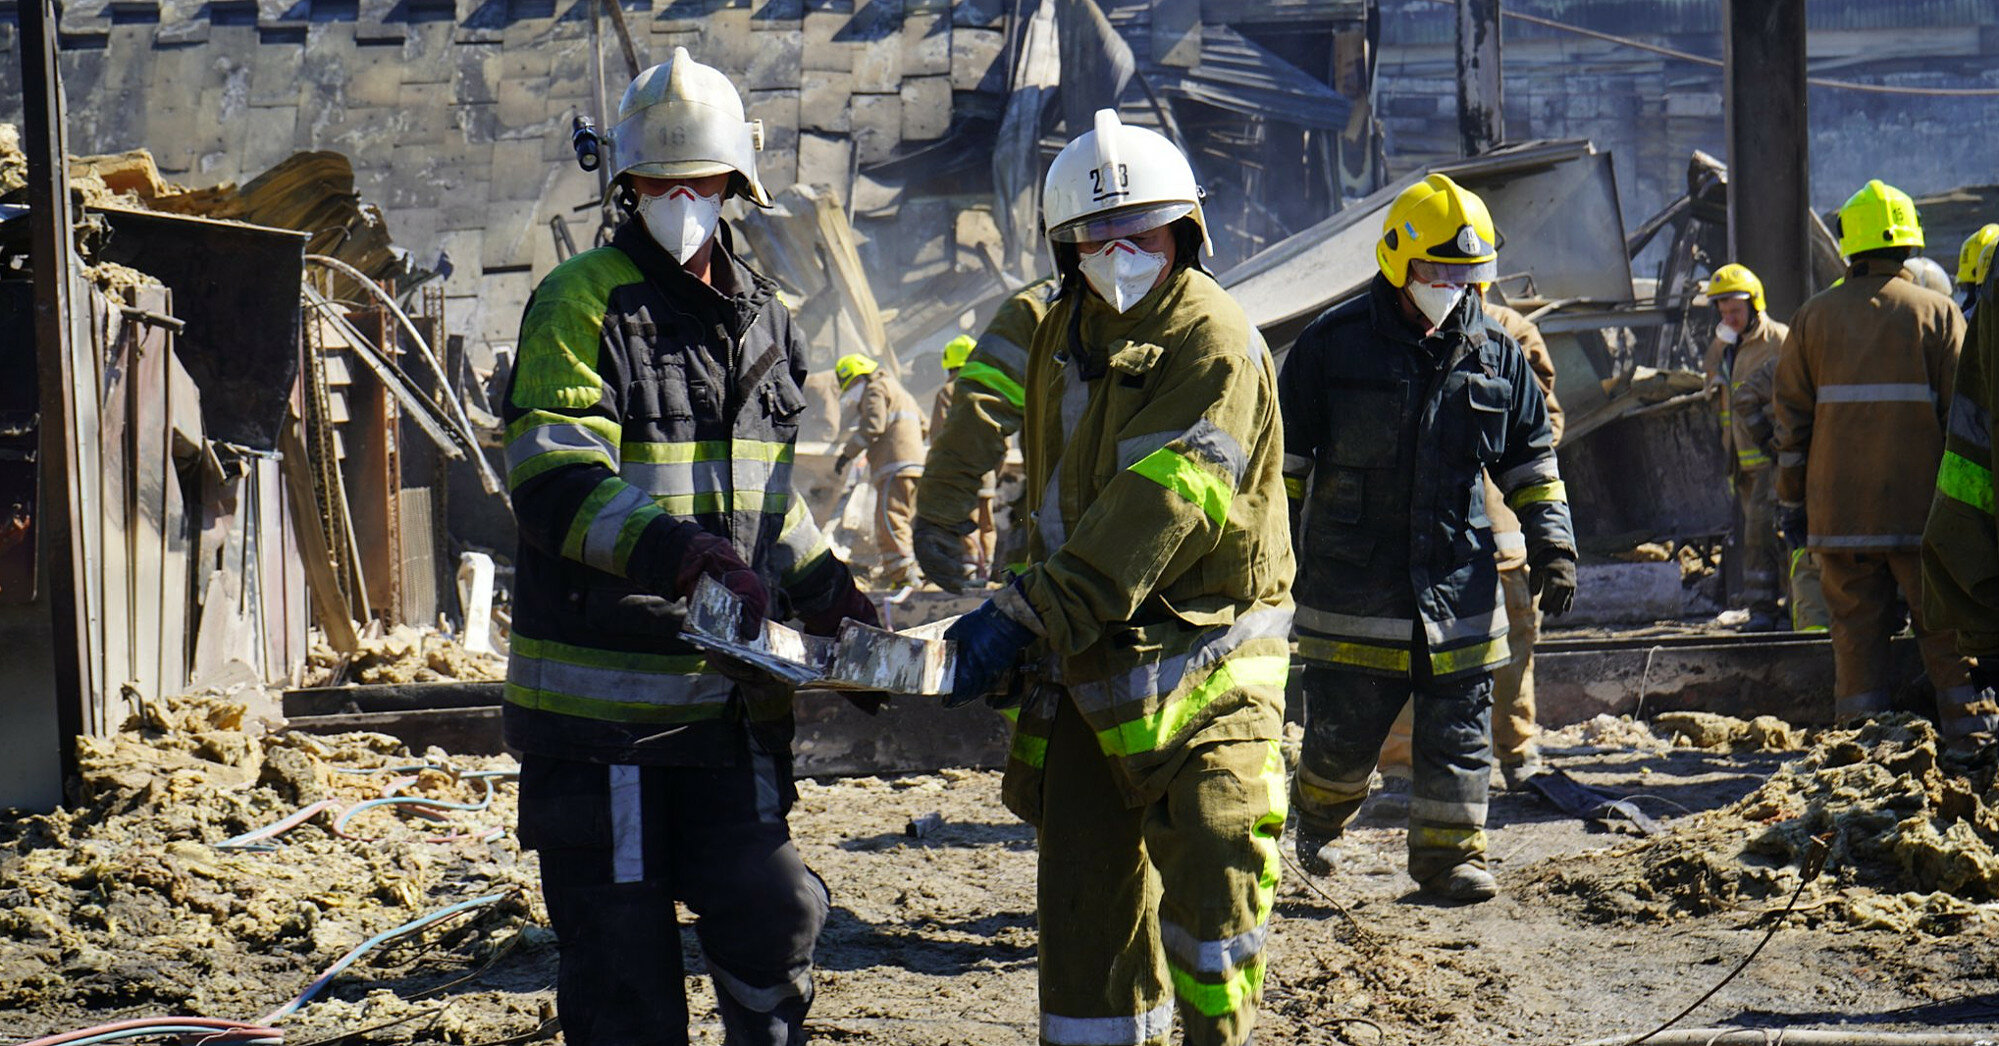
(1394, 405)
(650, 422)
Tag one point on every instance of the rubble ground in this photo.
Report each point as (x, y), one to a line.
(125, 906)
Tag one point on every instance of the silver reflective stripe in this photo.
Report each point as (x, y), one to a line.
(1131, 451)
(1864, 540)
(1048, 518)
(897, 468)
(600, 542)
(1884, 392)
(1509, 540)
(1970, 421)
(1212, 442)
(1479, 626)
(761, 1000)
(764, 769)
(627, 686)
(1543, 469)
(1297, 464)
(628, 858)
(544, 439)
(1791, 458)
(1442, 811)
(904, 415)
(1393, 629)
(682, 478)
(1008, 356)
(1214, 957)
(1162, 677)
(1355, 787)
(1075, 399)
(1151, 1026)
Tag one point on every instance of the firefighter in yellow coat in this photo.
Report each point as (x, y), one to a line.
(1157, 600)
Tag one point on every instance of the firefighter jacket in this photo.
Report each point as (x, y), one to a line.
(888, 426)
(644, 405)
(1506, 533)
(986, 409)
(1961, 542)
(940, 405)
(1159, 575)
(1862, 396)
(1386, 434)
(1741, 378)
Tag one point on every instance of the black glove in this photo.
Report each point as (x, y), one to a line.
(703, 553)
(1551, 575)
(940, 552)
(1985, 675)
(840, 464)
(989, 643)
(1793, 526)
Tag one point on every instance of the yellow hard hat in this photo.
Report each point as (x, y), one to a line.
(1443, 223)
(1734, 280)
(1974, 259)
(959, 348)
(851, 366)
(1878, 216)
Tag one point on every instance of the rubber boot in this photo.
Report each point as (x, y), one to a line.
(742, 1026)
(1463, 884)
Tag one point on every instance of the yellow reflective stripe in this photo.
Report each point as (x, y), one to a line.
(1751, 458)
(1030, 750)
(1179, 474)
(586, 514)
(1447, 837)
(797, 519)
(1294, 487)
(614, 711)
(1965, 480)
(540, 440)
(1552, 491)
(774, 502)
(995, 379)
(1363, 655)
(1011, 714)
(628, 536)
(622, 660)
(1478, 655)
(1149, 732)
(1219, 1000)
(766, 451)
(1268, 827)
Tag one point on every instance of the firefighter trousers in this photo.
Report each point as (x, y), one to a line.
(1143, 908)
(1808, 612)
(1860, 590)
(1763, 558)
(895, 519)
(620, 844)
(1347, 716)
(1513, 729)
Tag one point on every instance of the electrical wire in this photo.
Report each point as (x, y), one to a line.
(341, 964)
(220, 1031)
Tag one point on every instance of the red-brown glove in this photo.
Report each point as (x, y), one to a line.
(704, 553)
(851, 602)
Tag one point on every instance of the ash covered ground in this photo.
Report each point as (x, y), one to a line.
(125, 906)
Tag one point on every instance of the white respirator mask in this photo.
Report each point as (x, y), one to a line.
(1436, 301)
(680, 220)
(1121, 273)
(1728, 335)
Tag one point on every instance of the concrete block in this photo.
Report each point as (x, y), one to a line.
(268, 138)
(518, 172)
(523, 102)
(727, 42)
(776, 14)
(465, 207)
(1699, 104)
(427, 52)
(926, 108)
(926, 43)
(826, 160)
(419, 116)
(975, 60)
(823, 101)
(778, 168)
(508, 226)
(374, 77)
(824, 50)
(878, 64)
(777, 165)
(979, 14)
(517, 63)
(477, 123)
(475, 74)
(877, 126)
(775, 62)
(682, 15)
(1626, 593)
(274, 72)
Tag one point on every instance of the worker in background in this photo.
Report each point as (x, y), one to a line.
(1863, 392)
(1157, 602)
(1961, 539)
(1927, 274)
(888, 428)
(650, 420)
(954, 497)
(1741, 362)
(1513, 729)
(1395, 405)
(1974, 264)
(951, 359)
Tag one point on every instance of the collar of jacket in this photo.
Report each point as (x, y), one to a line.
(1465, 324)
(750, 290)
(1874, 267)
(1098, 325)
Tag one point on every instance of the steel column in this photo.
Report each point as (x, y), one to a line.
(1481, 123)
(1769, 148)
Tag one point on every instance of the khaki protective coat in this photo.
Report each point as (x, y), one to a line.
(1961, 540)
(888, 427)
(986, 408)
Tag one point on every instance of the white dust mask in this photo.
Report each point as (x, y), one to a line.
(680, 220)
(1729, 335)
(1122, 273)
(1436, 301)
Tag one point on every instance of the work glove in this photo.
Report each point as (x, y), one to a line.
(1792, 526)
(1552, 576)
(840, 463)
(940, 552)
(704, 553)
(851, 602)
(989, 643)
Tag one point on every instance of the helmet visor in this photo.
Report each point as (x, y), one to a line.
(1422, 270)
(1118, 224)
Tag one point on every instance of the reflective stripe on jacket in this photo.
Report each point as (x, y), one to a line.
(1741, 377)
(1512, 545)
(645, 405)
(1387, 435)
(985, 409)
(1863, 392)
(1160, 563)
(1961, 540)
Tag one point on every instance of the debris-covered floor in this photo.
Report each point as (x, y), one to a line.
(127, 906)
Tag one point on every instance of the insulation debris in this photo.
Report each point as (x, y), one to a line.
(403, 655)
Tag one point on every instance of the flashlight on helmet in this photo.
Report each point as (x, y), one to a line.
(584, 138)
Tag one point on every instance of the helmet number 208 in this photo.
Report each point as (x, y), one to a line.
(1097, 182)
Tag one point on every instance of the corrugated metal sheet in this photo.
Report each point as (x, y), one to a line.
(1428, 22)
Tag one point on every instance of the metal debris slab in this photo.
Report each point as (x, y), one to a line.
(918, 661)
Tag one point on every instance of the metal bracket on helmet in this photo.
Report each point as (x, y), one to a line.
(757, 135)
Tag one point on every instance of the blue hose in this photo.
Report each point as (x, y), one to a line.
(370, 945)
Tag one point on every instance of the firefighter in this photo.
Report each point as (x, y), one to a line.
(951, 360)
(970, 446)
(1741, 362)
(1157, 593)
(650, 420)
(1961, 539)
(1863, 391)
(888, 428)
(1395, 404)
(1974, 264)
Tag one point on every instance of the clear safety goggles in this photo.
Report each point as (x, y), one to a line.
(1119, 224)
(1423, 270)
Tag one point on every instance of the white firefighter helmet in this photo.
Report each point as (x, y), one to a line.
(682, 119)
(1116, 181)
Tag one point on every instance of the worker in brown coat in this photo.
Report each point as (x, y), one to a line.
(888, 428)
(1741, 361)
(1862, 394)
